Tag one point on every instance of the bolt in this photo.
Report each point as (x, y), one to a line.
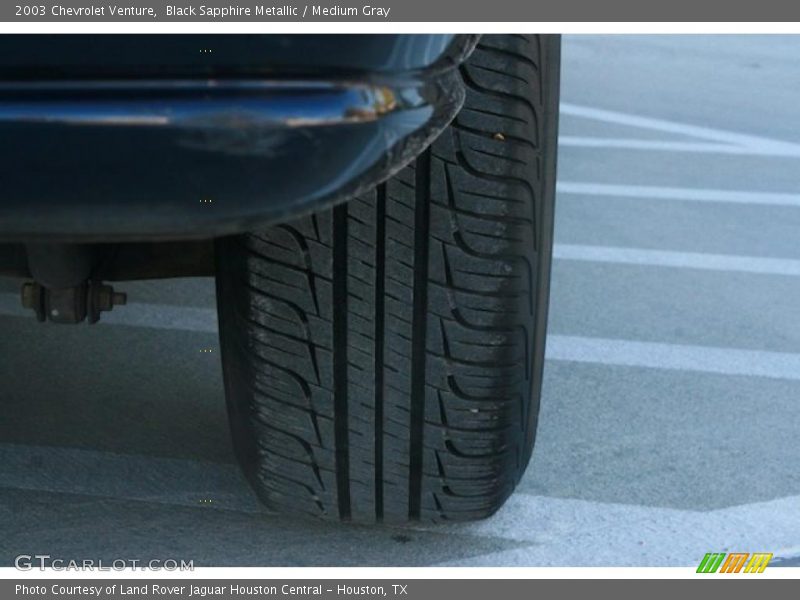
(28, 293)
(119, 299)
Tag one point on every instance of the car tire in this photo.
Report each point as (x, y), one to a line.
(383, 359)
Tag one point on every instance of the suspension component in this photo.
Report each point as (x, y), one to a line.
(73, 304)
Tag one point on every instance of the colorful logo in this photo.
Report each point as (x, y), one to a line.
(719, 562)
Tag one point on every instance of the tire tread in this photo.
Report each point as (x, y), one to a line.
(383, 358)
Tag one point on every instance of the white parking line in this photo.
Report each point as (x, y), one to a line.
(685, 260)
(680, 357)
(667, 146)
(164, 316)
(648, 192)
(191, 318)
(729, 361)
(724, 141)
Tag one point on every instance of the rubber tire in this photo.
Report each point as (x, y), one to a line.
(383, 359)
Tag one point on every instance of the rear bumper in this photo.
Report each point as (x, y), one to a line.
(204, 155)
